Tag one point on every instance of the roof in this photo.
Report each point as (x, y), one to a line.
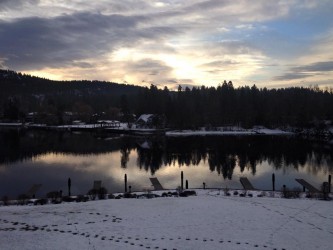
(145, 117)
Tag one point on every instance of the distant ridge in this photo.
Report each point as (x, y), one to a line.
(12, 82)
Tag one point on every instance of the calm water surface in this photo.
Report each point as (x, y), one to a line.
(50, 158)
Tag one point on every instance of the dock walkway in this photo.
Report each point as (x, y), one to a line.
(307, 186)
(246, 183)
(157, 185)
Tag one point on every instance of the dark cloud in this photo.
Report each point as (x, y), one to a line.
(219, 63)
(315, 67)
(35, 43)
(291, 76)
(149, 67)
(15, 4)
(172, 81)
(83, 65)
(305, 71)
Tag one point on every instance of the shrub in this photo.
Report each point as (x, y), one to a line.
(5, 200)
(92, 193)
(129, 195)
(81, 198)
(286, 192)
(226, 191)
(111, 196)
(23, 199)
(296, 193)
(190, 192)
(102, 193)
(243, 194)
(40, 202)
(68, 199)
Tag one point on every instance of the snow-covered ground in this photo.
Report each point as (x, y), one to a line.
(209, 220)
(233, 131)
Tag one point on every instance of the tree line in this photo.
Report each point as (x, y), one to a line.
(243, 106)
(187, 108)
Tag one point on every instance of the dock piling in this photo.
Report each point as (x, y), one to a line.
(182, 180)
(125, 179)
(69, 184)
(329, 183)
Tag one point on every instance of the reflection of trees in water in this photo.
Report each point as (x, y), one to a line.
(150, 155)
(222, 163)
(222, 154)
(20, 145)
(125, 150)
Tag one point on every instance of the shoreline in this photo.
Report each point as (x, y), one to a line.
(295, 194)
(146, 131)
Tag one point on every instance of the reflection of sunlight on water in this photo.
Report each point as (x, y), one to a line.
(2, 168)
(53, 169)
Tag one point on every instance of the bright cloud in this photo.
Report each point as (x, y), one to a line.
(170, 42)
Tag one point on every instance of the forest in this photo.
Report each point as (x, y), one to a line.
(186, 108)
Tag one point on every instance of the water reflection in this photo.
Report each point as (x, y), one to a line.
(28, 157)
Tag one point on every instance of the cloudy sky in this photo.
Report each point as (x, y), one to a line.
(272, 43)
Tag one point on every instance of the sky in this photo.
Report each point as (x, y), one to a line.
(270, 43)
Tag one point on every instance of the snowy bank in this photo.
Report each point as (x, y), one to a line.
(222, 131)
(207, 221)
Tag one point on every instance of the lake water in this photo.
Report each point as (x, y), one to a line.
(50, 158)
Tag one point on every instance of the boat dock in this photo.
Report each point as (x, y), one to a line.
(307, 186)
(156, 183)
(246, 183)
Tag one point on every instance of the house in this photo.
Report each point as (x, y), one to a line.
(150, 121)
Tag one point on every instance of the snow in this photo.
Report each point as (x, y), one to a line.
(263, 131)
(209, 220)
(11, 124)
(202, 132)
(145, 117)
(145, 145)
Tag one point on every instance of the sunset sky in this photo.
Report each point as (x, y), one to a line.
(276, 43)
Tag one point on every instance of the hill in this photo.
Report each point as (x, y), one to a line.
(26, 93)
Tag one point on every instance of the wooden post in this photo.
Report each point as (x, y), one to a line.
(329, 183)
(125, 178)
(182, 180)
(69, 183)
(273, 181)
(284, 191)
(186, 184)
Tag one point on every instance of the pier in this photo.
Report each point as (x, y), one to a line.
(307, 186)
(156, 183)
(246, 183)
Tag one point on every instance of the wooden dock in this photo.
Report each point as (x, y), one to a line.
(157, 185)
(246, 183)
(307, 186)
